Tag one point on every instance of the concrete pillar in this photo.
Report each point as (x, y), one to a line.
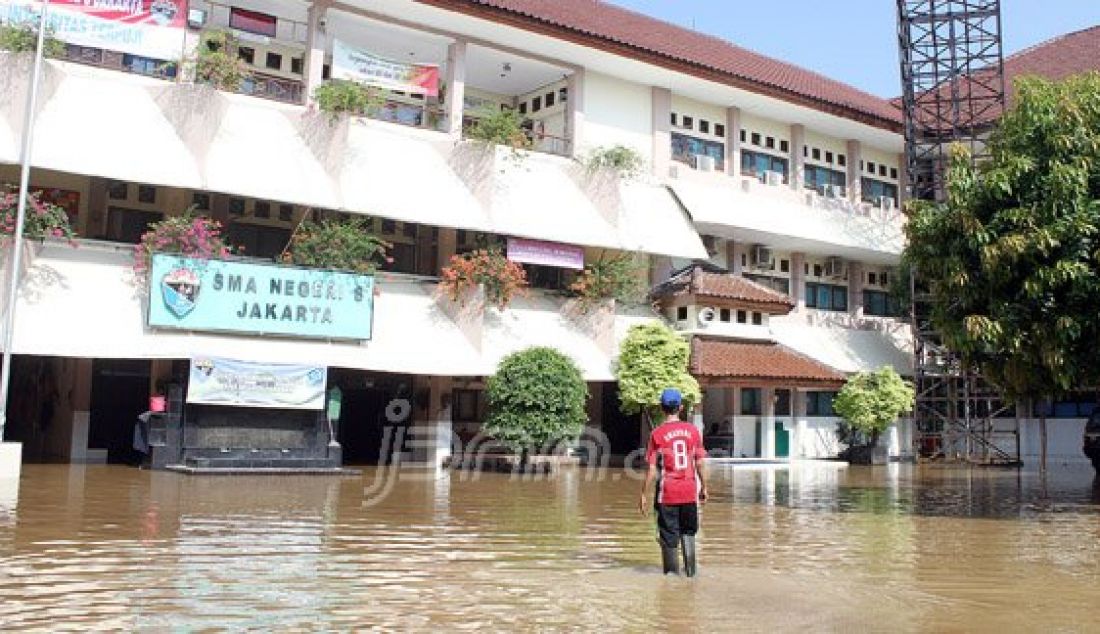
(96, 226)
(315, 48)
(855, 289)
(855, 175)
(734, 250)
(798, 413)
(892, 439)
(456, 87)
(574, 115)
(662, 132)
(798, 280)
(80, 396)
(431, 434)
(798, 142)
(446, 246)
(767, 423)
(733, 141)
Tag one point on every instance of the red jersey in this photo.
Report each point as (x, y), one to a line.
(673, 448)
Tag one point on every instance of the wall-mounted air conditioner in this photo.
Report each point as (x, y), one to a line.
(704, 163)
(834, 191)
(886, 203)
(774, 179)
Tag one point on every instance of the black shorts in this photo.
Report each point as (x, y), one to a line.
(675, 520)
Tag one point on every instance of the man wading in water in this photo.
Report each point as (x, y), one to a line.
(675, 456)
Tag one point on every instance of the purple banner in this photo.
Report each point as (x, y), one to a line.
(564, 256)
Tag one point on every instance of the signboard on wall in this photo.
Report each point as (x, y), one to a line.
(225, 296)
(565, 256)
(217, 381)
(362, 66)
(150, 28)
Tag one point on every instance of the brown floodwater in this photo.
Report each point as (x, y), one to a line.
(897, 548)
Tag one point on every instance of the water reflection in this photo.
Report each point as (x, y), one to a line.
(815, 546)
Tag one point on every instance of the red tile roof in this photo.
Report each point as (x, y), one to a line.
(747, 362)
(1057, 58)
(598, 23)
(704, 284)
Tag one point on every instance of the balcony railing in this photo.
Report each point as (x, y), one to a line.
(120, 61)
(273, 88)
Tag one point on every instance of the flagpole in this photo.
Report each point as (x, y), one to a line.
(20, 216)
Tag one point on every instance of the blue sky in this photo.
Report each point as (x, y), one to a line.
(812, 34)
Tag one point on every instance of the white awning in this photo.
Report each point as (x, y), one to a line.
(652, 221)
(847, 349)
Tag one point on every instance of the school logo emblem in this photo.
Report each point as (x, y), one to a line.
(180, 290)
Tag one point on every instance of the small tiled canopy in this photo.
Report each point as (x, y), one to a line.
(728, 362)
(709, 284)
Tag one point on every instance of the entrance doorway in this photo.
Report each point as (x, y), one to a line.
(363, 419)
(120, 392)
(624, 432)
(782, 441)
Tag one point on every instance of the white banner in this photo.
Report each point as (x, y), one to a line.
(216, 381)
(356, 64)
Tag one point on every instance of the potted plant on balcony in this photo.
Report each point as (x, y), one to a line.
(868, 404)
(501, 127)
(187, 234)
(621, 160)
(217, 62)
(611, 277)
(346, 245)
(536, 403)
(22, 37)
(339, 97)
(501, 278)
(42, 220)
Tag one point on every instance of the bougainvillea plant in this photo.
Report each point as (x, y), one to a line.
(43, 219)
(190, 235)
(610, 277)
(502, 279)
(347, 245)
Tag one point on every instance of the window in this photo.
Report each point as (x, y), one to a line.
(403, 258)
(841, 160)
(688, 122)
(261, 209)
(326, 71)
(1074, 405)
(681, 313)
(148, 66)
(894, 173)
(118, 190)
(236, 206)
(742, 317)
(675, 119)
(563, 94)
(785, 266)
(408, 229)
(784, 146)
(826, 297)
(389, 227)
(880, 304)
(757, 319)
(782, 402)
(819, 403)
(882, 170)
(286, 213)
(817, 270)
(259, 241)
(756, 163)
(816, 154)
(128, 225)
(523, 107)
(201, 201)
(818, 177)
(875, 189)
(274, 61)
(777, 284)
(296, 65)
(769, 142)
(872, 278)
(252, 21)
(828, 157)
(756, 138)
(549, 99)
(247, 54)
(750, 401)
(724, 315)
(704, 126)
(685, 148)
(147, 194)
(870, 167)
(469, 405)
(742, 135)
(719, 130)
(536, 104)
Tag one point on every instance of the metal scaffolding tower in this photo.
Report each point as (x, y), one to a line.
(953, 92)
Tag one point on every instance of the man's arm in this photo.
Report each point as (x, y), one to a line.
(701, 472)
(650, 476)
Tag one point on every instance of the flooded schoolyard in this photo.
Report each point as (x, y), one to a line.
(817, 547)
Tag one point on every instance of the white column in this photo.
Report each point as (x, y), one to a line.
(662, 132)
(315, 48)
(855, 158)
(798, 412)
(893, 441)
(798, 141)
(798, 280)
(574, 120)
(734, 249)
(733, 141)
(767, 424)
(855, 290)
(456, 87)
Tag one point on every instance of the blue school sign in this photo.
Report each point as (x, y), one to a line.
(219, 295)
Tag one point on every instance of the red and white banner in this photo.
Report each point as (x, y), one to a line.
(362, 66)
(150, 28)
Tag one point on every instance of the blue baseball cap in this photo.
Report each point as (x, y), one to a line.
(670, 397)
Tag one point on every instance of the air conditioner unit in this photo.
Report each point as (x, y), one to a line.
(886, 203)
(704, 163)
(706, 316)
(196, 18)
(762, 257)
(772, 178)
(834, 267)
(834, 191)
(746, 185)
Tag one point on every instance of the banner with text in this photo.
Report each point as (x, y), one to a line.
(262, 299)
(565, 256)
(356, 64)
(150, 28)
(216, 381)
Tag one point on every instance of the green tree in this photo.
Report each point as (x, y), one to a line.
(653, 357)
(23, 38)
(870, 401)
(536, 398)
(346, 245)
(1011, 258)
